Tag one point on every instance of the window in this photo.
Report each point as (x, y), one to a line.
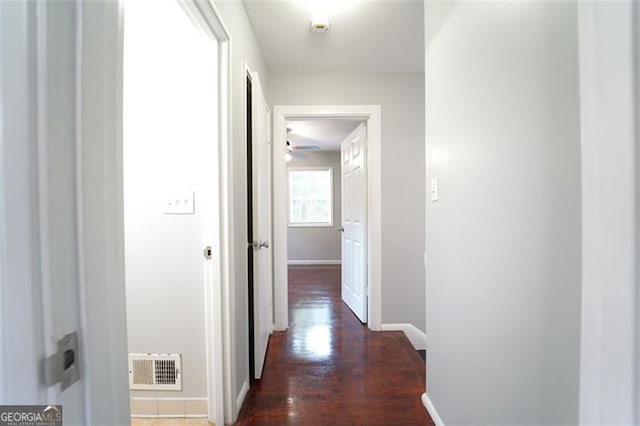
(311, 196)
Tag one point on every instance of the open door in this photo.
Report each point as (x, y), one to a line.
(354, 222)
(261, 211)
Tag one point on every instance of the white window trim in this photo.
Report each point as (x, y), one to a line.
(328, 224)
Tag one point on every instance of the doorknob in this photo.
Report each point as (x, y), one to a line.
(259, 244)
(208, 251)
(341, 229)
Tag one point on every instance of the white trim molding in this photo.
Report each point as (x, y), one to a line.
(371, 114)
(417, 338)
(314, 262)
(242, 395)
(426, 401)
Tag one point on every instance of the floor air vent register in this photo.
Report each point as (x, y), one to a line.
(155, 372)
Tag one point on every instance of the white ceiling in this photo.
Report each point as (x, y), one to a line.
(326, 133)
(365, 35)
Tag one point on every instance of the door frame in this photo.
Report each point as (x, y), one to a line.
(371, 114)
(610, 158)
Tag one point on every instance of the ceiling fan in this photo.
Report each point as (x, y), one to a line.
(298, 150)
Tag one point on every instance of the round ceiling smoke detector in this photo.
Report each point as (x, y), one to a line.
(320, 25)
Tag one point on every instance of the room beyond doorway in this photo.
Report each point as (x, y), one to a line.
(314, 209)
(325, 189)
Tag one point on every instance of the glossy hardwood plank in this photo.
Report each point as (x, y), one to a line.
(329, 369)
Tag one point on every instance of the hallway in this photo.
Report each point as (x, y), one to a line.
(330, 369)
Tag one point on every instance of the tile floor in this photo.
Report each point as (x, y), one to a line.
(137, 421)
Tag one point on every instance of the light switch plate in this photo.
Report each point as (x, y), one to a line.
(179, 203)
(435, 195)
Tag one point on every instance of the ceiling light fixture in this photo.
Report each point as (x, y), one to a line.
(320, 11)
(320, 24)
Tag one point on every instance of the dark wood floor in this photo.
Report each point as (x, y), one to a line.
(329, 369)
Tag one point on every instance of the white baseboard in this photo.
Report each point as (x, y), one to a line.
(241, 396)
(169, 407)
(417, 338)
(431, 410)
(314, 262)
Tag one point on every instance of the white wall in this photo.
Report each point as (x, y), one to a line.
(318, 243)
(401, 96)
(245, 50)
(503, 241)
(170, 93)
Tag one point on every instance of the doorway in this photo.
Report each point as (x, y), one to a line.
(370, 116)
(174, 156)
(324, 191)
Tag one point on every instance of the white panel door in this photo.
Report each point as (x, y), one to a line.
(354, 222)
(262, 258)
